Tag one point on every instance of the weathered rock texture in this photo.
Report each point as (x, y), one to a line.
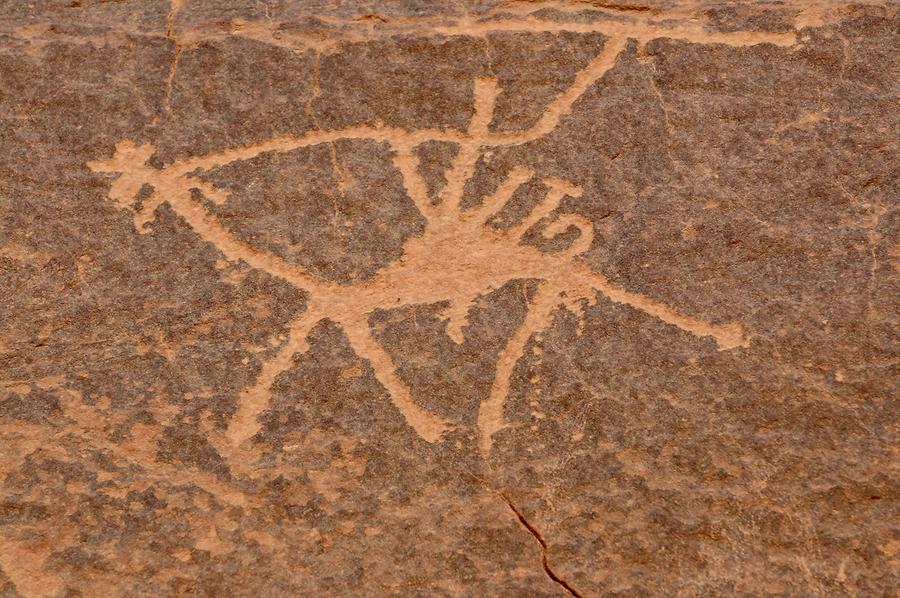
(466, 298)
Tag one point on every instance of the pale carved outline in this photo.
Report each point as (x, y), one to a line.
(432, 268)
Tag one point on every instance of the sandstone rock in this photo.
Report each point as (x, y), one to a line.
(469, 298)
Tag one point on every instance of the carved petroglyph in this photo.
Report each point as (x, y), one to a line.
(457, 258)
(333, 33)
(681, 23)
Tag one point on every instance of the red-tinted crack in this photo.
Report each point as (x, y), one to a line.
(537, 535)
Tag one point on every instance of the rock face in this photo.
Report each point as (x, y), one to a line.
(467, 298)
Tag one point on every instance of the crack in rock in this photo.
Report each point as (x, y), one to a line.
(537, 535)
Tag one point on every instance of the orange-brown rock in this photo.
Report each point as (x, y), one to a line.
(466, 298)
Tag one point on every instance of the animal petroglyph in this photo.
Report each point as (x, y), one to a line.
(456, 259)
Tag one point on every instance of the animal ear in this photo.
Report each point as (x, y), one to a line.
(491, 204)
(566, 221)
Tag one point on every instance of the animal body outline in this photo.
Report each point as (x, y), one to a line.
(432, 260)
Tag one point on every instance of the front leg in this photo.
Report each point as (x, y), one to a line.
(427, 425)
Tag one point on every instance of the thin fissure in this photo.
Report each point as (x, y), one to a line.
(537, 535)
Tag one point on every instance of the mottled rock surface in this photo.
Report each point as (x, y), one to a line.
(465, 298)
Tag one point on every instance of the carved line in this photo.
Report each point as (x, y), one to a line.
(341, 31)
(490, 412)
(563, 103)
(256, 398)
(642, 31)
(427, 425)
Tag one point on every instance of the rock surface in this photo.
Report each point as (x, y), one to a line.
(465, 298)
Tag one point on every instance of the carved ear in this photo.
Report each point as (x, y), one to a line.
(557, 190)
(493, 203)
(565, 221)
